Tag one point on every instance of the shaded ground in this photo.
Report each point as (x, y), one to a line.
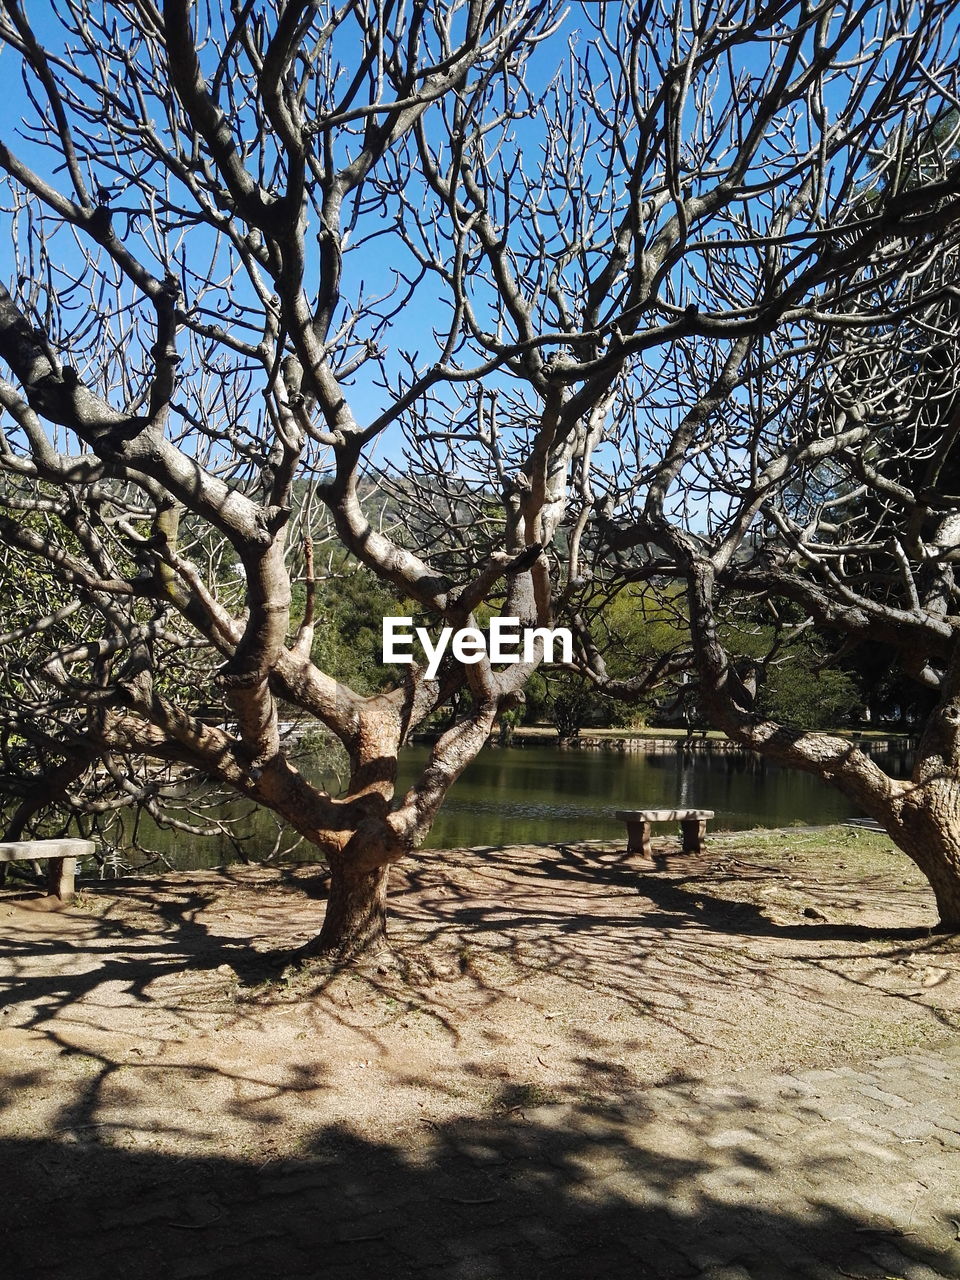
(578, 1068)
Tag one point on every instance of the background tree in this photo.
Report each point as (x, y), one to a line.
(732, 326)
(839, 511)
(590, 272)
(863, 539)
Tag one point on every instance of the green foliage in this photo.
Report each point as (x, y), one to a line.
(634, 629)
(507, 724)
(348, 643)
(569, 708)
(537, 704)
(798, 677)
(803, 697)
(642, 623)
(325, 753)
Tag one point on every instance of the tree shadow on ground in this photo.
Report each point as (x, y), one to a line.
(682, 895)
(640, 937)
(567, 1197)
(658, 940)
(483, 943)
(176, 940)
(656, 1183)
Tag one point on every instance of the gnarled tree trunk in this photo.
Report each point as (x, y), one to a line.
(921, 816)
(928, 832)
(926, 816)
(355, 922)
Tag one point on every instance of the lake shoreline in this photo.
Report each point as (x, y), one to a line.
(664, 842)
(535, 794)
(680, 742)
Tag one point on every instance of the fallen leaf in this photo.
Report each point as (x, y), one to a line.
(934, 977)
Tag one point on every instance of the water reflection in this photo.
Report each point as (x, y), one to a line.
(539, 794)
(536, 794)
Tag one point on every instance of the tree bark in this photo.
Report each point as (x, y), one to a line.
(355, 923)
(921, 816)
(928, 832)
(927, 817)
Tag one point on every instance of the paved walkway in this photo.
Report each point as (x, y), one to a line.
(824, 1174)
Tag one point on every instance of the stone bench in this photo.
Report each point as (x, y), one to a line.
(61, 854)
(693, 827)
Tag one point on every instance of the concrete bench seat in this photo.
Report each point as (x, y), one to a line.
(693, 827)
(61, 854)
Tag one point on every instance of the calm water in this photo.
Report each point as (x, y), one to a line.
(535, 794)
(540, 794)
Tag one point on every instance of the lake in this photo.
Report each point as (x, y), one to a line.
(534, 794)
(539, 794)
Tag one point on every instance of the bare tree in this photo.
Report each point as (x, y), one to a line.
(851, 523)
(591, 263)
(728, 308)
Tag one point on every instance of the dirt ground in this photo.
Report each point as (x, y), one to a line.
(162, 1014)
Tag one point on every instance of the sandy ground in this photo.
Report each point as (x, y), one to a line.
(160, 1014)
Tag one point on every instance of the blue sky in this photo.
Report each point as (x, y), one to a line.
(372, 270)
